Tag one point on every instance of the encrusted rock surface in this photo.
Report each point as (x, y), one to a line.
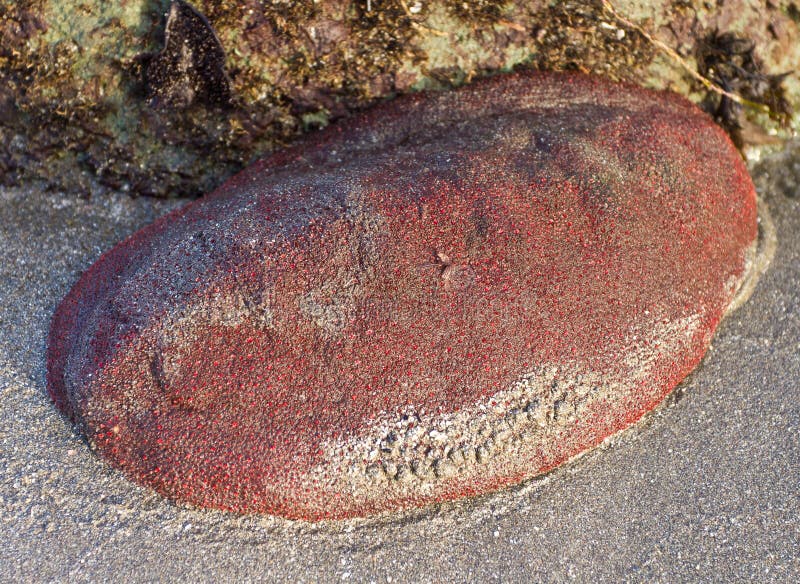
(77, 84)
(449, 294)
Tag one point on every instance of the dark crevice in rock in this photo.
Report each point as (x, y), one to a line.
(191, 67)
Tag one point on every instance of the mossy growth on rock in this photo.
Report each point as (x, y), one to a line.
(77, 107)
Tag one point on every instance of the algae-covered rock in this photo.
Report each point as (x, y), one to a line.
(162, 98)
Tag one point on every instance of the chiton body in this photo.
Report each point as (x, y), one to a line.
(446, 295)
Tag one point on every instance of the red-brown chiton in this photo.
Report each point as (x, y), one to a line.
(446, 295)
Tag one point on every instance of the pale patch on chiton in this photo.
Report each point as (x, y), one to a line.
(414, 445)
(332, 305)
(231, 308)
(228, 308)
(431, 446)
(646, 345)
(409, 446)
(339, 281)
(757, 259)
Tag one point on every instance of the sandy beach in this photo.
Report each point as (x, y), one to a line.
(705, 488)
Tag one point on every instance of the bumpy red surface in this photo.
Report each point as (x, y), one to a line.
(260, 349)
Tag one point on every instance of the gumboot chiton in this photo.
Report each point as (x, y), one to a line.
(448, 294)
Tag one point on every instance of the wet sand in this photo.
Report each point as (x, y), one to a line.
(706, 488)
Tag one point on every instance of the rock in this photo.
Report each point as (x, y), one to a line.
(130, 95)
(253, 349)
(191, 67)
